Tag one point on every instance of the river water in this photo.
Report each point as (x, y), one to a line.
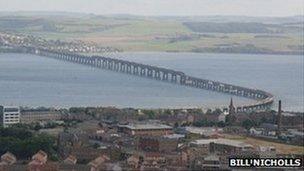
(29, 80)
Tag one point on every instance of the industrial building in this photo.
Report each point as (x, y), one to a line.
(9, 115)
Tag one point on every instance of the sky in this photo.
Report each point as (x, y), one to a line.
(162, 7)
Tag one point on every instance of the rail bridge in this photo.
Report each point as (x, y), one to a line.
(263, 99)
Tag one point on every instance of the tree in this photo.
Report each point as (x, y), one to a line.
(149, 113)
(209, 111)
(248, 124)
(24, 143)
(175, 125)
(221, 124)
(217, 111)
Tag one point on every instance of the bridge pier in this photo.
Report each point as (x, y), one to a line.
(122, 67)
(157, 75)
(129, 68)
(116, 66)
(165, 76)
(135, 70)
(143, 71)
(150, 73)
(173, 78)
(162, 74)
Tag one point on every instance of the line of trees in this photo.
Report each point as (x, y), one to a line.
(24, 143)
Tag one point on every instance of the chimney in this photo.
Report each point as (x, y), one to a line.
(279, 119)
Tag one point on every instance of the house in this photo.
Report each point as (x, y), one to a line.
(70, 160)
(38, 161)
(133, 161)
(99, 163)
(40, 156)
(8, 158)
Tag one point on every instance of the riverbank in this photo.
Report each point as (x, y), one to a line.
(165, 34)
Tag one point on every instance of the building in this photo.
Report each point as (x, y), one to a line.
(211, 162)
(40, 156)
(153, 161)
(133, 161)
(9, 115)
(222, 146)
(36, 115)
(157, 144)
(70, 160)
(206, 132)
(7, 160)
(38, 162)
(256, 131)
(98, 164)
(231, 107)
(138, 129)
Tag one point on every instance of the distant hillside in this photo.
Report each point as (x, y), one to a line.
(208, 27)
(216, 34)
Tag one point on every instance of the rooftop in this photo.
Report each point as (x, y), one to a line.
(222, 141)
(70, 159)
(174, 136)
(8, 158)
(203, 130)
(40, 156)
(212, 157)
(138, 126)
(99, 160)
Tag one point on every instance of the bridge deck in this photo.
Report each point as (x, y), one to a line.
(264, 99)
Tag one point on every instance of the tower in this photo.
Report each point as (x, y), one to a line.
(279, 118)
(231, 107)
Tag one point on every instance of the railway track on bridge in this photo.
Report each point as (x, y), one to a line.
(263, 99)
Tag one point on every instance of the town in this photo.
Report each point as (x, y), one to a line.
(109, 138)
(72, 46)
(181, 85)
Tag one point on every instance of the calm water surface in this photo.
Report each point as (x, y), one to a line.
(30, 80)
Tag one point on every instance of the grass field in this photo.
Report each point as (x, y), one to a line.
(159, 34)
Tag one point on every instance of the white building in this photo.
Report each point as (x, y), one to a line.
(9, 115)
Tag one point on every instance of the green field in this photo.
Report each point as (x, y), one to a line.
(186, 34)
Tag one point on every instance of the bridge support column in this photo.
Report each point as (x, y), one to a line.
(173, 78)
(129, 68)
(157, 75)
(150, 73)
(104, 64)
(165, 76)
(135, 70)
(143, 71)
(182, 80)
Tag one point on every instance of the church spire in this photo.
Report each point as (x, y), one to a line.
(231, 107)
(231, 102)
